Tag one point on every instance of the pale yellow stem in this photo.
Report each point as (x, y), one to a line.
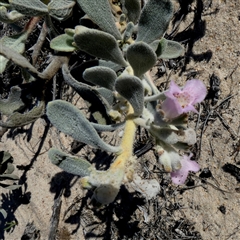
(127, 142)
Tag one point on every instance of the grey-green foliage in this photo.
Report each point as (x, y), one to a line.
(125, 57)
(68, 163)
(99, 44)
(96, 102)
(29, 7)
(6, 171)
(168, 49)
(132, 9)
(141, 57)
(131, 88)
(9, 16)
(99, 12)
(64, 42)
(128, 31)
(13, 102)
(17, 119)
(154, 20)
(16, 42)
(101, 76)
(61, 9)
(68, 119)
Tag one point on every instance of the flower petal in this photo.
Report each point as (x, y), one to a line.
(180, 176)
(196, 89)
(173, 88)
(171, 108)
(189, 108)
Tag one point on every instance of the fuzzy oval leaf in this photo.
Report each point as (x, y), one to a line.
(98, 44)
(29, 7)
(18, 59)
(141, 57)
(154, 20)
(16, 42)
(170, 49)
(105, 193)
(63, 43)
(131, 88)
(13, 103)
(61, 9)
(98, 106)
(159, 46)
(99, 11)
(101, 76)
(132, 9)
(20, 119)
(9, 17)
(69, 120)
(128, 31)
(70, 164)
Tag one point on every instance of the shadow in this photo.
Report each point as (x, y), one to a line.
(124, 211)
(194, 32)
(99, 221)
(102, 160)
(10, 202)
(62, 182)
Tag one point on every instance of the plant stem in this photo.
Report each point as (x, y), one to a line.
(127, 143)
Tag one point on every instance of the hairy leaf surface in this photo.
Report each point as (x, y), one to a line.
(13, 103)
(61, 9)
(154, 20)
(100, 13)
(29, 7)
(9, 17)
(98, 44)
(131, 88)
(70, 164)
(141, 57)
(68, 119)
(132, 9)
(101, 76)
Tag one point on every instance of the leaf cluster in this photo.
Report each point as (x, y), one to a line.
(125, 40)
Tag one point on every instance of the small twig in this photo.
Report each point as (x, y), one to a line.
(223, 101)
(230, 130)
(234, 69)
(236, 230)
(217, 188)
(144, 149)
(54, 88)
(55, 216)
(37, 47)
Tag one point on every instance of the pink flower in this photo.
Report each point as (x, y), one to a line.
(180, 101)
(179, 177)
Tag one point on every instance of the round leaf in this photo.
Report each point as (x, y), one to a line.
(141, 57)
(101, 76)
(98, 44)
(131, 88)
